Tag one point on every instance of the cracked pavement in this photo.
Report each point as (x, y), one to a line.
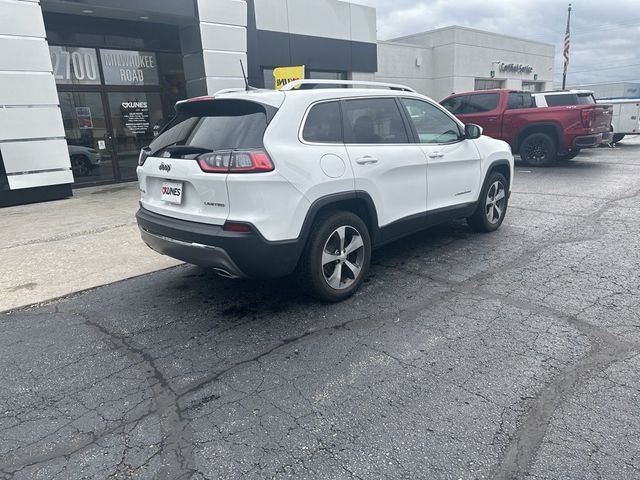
(512, 355)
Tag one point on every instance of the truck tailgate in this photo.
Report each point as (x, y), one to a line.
(601, 117)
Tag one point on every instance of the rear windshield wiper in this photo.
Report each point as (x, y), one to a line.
(186, 150)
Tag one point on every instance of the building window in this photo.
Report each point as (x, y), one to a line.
(488, 84)
(270, 82)
(532, 86)
(326, 75)
(268, 79)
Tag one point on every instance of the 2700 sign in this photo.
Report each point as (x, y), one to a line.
(74, 65)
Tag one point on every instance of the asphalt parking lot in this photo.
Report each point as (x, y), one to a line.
(511, 355)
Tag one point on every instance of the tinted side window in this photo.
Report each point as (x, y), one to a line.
(375, 120)
(586, 99)
(520, 100)
(215, 125)
(561, 100)
(482, 102)
(323, 124)
(431, 124)
(455, 105)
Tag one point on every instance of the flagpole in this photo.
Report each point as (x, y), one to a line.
(565, 51)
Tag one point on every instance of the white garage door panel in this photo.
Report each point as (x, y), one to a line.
(320, 18)
(223, 37)
(271, 15)
(24, 54)
(21, 18)
(37, 122)
(224, 64)
(27, 89)
(229, 12)
(34, 155)
(42, 179)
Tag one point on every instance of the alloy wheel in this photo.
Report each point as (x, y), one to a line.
(343, 257)
(79, 166)
(537, 151)
(495, 202)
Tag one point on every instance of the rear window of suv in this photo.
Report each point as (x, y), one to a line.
(215, 125)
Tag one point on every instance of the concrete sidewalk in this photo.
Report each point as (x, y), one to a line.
(52, 249)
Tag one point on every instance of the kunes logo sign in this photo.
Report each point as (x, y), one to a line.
(174, 191)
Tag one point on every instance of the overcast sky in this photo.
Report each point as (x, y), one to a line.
(605, 34)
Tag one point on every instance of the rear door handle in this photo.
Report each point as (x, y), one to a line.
(366, 160)
(436, 155)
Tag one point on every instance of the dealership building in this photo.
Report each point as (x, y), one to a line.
(459, 59)
(84, 84)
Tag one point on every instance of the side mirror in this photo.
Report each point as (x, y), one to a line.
(472, 131)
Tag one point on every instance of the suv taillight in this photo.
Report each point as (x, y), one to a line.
(144, 153)
(587, 117)
(240, 161)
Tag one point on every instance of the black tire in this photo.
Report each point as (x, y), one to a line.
(479, 221)
(617, 137)
(538, 150)
(569, 156)
(315, 277)
(80, 165)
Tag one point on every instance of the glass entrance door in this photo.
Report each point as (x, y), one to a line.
(136, 117)
(88, 136)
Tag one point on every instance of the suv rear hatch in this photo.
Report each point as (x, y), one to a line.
(183, 172)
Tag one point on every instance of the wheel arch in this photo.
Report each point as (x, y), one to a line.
(550, 128)
(502, 166)
(357, 202)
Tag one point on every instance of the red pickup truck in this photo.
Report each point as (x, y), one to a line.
(540, 135)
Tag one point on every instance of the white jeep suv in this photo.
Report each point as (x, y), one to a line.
(311, 178)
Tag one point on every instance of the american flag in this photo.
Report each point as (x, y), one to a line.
(567, 43)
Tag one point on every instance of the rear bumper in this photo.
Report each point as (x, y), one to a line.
(233, 254)
(594, 140)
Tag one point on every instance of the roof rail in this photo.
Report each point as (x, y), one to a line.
(299, 83)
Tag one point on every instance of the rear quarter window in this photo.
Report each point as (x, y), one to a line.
(323, 124)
